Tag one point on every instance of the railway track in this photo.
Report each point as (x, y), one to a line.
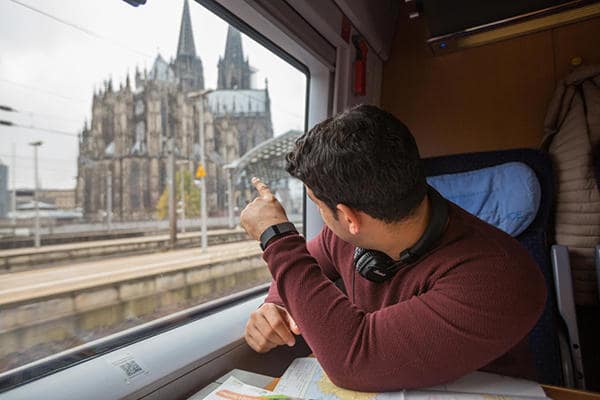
(23, 259)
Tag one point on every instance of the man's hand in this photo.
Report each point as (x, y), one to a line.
(263, 212)
(270, 326)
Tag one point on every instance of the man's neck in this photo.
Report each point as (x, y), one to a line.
(396, 237)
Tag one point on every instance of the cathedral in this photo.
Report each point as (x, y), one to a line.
(123, 153)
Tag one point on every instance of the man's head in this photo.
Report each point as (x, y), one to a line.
(363, 158)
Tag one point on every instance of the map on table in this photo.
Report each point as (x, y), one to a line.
(306, 379)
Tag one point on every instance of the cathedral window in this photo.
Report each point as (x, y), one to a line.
(140, 131)
(139, 107)
(134, 186)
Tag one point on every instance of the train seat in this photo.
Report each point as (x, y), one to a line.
(524, 212)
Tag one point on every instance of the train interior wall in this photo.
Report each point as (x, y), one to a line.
(488, 98)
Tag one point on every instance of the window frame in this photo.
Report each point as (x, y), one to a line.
(75, 373)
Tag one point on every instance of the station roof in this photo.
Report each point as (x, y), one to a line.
(273, 148)
(266, 161)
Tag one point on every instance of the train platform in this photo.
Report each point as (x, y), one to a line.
(21, 259)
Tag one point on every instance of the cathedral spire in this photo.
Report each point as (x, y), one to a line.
(187, 66)
(233, 47)
(186, 46)
(234, 70)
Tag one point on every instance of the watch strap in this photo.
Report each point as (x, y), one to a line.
(275, 231)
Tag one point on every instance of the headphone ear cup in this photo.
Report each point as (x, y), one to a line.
(360, 261)
(366, 261)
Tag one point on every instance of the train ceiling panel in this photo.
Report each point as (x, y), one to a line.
(459, 24)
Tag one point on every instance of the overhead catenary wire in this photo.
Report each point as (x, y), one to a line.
(37, 128)
(45, 169)
(6, 108)
(88, 32)
(47, 92)
(41, 158)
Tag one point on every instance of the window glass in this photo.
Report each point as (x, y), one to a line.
(127, 143)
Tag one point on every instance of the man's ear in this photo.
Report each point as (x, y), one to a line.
(351, 217)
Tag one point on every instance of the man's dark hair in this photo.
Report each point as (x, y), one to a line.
(364, 158)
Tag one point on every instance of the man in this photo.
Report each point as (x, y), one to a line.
(466, 301)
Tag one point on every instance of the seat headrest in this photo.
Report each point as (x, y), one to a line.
(506, 195)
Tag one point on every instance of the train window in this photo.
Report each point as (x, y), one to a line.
(127, 140)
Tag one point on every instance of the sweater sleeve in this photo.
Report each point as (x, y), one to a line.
(469, 317)
(316, 247)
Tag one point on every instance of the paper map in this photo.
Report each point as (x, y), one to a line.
(306, 379)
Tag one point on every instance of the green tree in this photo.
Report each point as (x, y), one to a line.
(191, 196)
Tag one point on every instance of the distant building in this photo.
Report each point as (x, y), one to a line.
(46, 211)
(4, 194)
(24, 195)
(127, 142)
(60, 198)
(54, 205)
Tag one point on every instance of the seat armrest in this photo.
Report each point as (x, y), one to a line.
(566, 360)
(566, 307)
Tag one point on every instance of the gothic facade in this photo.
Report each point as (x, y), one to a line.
(123, 153)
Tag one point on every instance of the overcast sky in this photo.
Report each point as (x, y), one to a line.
(48, 71)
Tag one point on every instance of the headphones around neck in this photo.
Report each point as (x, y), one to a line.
(377, 266)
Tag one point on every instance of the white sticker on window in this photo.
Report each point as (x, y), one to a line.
(129, 367)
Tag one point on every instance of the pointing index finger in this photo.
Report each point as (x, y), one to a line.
(263, 189)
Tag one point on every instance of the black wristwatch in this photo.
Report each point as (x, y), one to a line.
(275, 231)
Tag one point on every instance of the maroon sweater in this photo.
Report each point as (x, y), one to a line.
(466, 305)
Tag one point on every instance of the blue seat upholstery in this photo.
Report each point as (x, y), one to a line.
(544, 338)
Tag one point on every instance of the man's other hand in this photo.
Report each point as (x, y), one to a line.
(263, 212)
(270, 326)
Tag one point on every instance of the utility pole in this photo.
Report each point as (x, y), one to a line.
(109, 200)
(203, 214)
(13, 203)
(35, 193)
(171, 190)
(230, 198)
(182, 188)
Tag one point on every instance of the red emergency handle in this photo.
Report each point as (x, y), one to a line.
(360, 65)
(360, 77)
